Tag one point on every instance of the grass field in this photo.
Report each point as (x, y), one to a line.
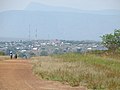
(91, 71)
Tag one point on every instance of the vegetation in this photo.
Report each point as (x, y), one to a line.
(106, 54)
(44, 53)
(2, 53)
(91, 71)
(112, 41)
(4, 58)
(97, 70)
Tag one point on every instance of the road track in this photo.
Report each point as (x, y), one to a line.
(17, 75)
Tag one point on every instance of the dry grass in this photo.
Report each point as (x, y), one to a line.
(4, 58)
(74, 69)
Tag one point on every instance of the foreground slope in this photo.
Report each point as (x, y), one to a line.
(17, 75)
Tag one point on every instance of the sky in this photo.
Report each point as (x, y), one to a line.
(79, 4)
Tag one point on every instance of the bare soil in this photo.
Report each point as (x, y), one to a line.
(17, 75)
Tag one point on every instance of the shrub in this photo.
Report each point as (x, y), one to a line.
(2, 53)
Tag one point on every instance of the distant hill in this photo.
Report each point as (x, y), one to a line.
(41, 7)
(58, 22)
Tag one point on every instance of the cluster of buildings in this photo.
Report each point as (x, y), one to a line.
(47, 47)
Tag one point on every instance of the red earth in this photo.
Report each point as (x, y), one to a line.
(17, 75)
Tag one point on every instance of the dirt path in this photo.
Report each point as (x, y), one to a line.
(17, 75)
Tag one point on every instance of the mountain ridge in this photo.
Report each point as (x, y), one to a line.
(42, 7)
(58, 24)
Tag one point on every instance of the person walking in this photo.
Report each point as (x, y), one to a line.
(15, 56)
(11, 55)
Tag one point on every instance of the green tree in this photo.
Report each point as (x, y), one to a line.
(112, 41)
(32, 54)
(44, 53)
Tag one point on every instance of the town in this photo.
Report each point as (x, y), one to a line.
(29, 48)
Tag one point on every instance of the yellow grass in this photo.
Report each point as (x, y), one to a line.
(90, 71)
(4, 58)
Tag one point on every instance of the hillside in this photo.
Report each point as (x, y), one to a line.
(91, 71)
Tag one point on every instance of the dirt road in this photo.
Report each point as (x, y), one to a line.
(17, 75)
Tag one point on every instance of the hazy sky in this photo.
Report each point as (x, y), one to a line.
(80, 4)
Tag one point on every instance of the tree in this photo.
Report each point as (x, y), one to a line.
(32, 54)
(112, 41)
(44, 53)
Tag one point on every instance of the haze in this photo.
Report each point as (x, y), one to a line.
(79, 4)
(59, 19)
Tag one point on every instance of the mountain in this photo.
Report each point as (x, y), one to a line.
(58, 23)
(41, 7)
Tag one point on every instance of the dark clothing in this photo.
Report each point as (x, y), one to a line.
(11, 56)
(15, 56)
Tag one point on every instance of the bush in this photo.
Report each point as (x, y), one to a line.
(2, 53)
(112, 41)
(44, 53)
